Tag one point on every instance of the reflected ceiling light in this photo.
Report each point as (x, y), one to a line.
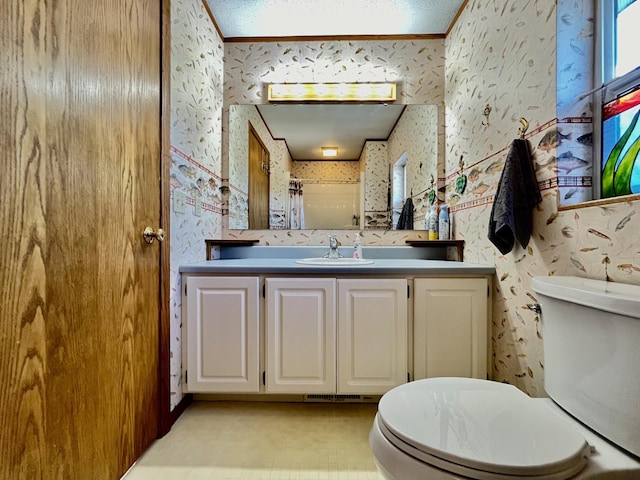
(329, 151)
(331, 92)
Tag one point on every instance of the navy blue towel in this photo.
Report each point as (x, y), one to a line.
(405, 222)
(517, 194)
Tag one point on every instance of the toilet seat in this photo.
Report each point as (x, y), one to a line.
(480, 429)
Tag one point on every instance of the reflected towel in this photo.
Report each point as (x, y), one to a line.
(405, 222)
(517, 194)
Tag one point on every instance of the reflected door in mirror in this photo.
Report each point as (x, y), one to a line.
(258, 183)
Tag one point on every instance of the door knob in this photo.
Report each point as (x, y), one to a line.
(150, 235)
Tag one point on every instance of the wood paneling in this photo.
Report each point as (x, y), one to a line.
(259, 161)
(23, 241)
(167, 417)
(334, 38)
(79, 317)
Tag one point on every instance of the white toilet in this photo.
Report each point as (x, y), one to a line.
(463, 428)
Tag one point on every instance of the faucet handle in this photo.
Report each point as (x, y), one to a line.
(333, 247)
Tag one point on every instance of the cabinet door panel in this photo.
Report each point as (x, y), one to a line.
(222, 334)
(372, 335)
(450, 327)
(300, 338)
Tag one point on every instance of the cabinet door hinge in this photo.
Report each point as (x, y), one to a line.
(488, 291)
(408, 377)
(264, 378)
(264, 291)
(185, 289)
(186, 376)
(408, 291)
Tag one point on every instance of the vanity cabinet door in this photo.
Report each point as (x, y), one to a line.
(372, 335)
(450, 327)
(300, 335)
(222, 326)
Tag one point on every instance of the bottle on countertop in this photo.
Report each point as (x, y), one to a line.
(432, 222)
(357, 247)
(443, 227)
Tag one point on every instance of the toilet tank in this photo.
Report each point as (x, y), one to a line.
(591, 341)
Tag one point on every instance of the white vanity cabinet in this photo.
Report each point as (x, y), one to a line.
(300, 335)
(450, 337)
(352, 343)
(222, 353)
(325, 334)
(372, 335)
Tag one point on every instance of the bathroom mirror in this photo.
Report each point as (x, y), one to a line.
(385, 153)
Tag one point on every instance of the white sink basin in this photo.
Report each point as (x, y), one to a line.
(346, 261)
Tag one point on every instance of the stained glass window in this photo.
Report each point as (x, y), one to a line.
(620, 98)
(621, 145)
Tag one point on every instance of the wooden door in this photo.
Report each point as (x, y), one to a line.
(79, 99)
(258, 182)
(300, 335)
(450, 327)
(372, 335)
(222, 331)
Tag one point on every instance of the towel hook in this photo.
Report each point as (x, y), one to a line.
(486, 112)
(432, 192)
(461, 181)
(523, 129)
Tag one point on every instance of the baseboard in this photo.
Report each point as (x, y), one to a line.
(174, 414)
(288, 398)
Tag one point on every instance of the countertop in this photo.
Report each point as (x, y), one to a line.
(379, 267)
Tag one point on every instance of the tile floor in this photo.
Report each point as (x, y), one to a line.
(259, 441)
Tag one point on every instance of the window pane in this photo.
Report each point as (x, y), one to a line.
(620, 145)
(627, 22)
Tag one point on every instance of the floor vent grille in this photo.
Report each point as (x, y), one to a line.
(340, 398)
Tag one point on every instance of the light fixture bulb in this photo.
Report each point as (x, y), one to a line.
(332, 92)
(329, 151)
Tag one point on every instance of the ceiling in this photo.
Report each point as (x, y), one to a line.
(313, 18)
(309, 127)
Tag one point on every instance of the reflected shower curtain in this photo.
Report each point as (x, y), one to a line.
(296, 208)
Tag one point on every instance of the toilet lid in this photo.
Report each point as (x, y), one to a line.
(462, 424)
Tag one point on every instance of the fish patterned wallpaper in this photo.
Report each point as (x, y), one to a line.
(375, 157)
(281, 166)
(572, 144)
(326, 170)
(238, 172)
(196, 109)
(503, 54)
(416, 134)
(417, 66)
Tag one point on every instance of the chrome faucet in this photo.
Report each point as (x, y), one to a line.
(333, 248)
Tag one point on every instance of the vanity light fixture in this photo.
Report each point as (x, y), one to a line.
(331, 92)
(329, 151)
